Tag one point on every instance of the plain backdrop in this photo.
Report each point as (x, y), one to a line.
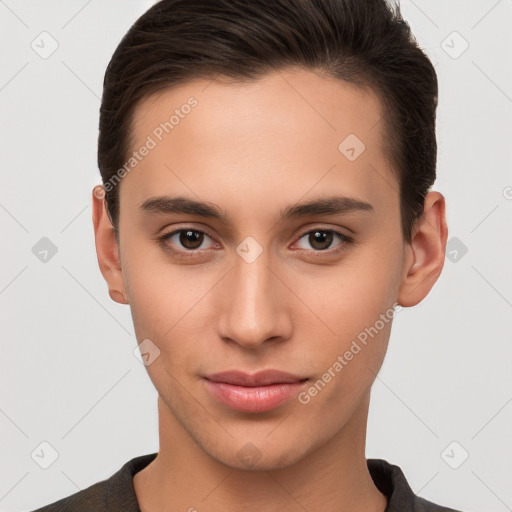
(442, 403)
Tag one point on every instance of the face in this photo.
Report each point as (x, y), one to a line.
(262, 232)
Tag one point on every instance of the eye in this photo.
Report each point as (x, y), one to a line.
(323, 239)
(186, 240)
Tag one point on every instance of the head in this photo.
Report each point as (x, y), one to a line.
(294, 146)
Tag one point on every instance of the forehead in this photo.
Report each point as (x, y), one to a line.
(294, 129)
(323, 104)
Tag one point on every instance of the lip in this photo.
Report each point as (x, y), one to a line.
(259, 392)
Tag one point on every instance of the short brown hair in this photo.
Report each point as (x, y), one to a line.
(364, 42)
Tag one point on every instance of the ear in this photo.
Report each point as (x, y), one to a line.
(107, 248)
(425, 253)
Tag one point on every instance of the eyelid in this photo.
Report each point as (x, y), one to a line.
(342, 237)
(319, 227)
(184, 227)
(163, 238)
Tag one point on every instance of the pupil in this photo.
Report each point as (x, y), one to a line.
(320, 240)
(191, 239)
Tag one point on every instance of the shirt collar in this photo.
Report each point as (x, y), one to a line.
(389, 479)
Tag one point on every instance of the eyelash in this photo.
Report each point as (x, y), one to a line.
(344, 240)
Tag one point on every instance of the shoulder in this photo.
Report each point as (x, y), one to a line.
(91, 498)
(115, 493)
(422, 505)
(391, 481)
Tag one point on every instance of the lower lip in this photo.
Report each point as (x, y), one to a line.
(253, 399)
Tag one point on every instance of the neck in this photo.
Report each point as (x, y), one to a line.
(333, 476)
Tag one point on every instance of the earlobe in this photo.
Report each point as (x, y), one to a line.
(118, 296)
(107, 249)
(426, 252)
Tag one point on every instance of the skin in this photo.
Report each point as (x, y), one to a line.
(252, 150)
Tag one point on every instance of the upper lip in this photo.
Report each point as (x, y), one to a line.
(263, 378)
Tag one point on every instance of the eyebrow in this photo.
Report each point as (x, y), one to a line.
(333, 205)
(326, 206)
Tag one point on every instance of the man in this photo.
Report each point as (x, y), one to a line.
(266, 207)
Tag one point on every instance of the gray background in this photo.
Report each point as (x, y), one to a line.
(68, 374)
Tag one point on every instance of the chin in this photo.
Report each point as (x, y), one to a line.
(258, 457)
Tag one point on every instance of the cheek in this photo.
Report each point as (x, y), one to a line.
(174, 307)
(355, 309)
(159, 292)
(345, 376)
(351, 297)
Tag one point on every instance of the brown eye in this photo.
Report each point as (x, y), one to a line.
(323, 240)
(186, 241)
(320, 240)
(191, 239)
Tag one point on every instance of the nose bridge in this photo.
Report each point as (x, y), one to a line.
(251, 312)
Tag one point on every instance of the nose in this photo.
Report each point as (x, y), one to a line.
(254, 304)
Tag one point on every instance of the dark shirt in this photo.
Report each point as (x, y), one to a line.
(117, 494)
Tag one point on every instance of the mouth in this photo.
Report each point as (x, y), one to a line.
(255, 393)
